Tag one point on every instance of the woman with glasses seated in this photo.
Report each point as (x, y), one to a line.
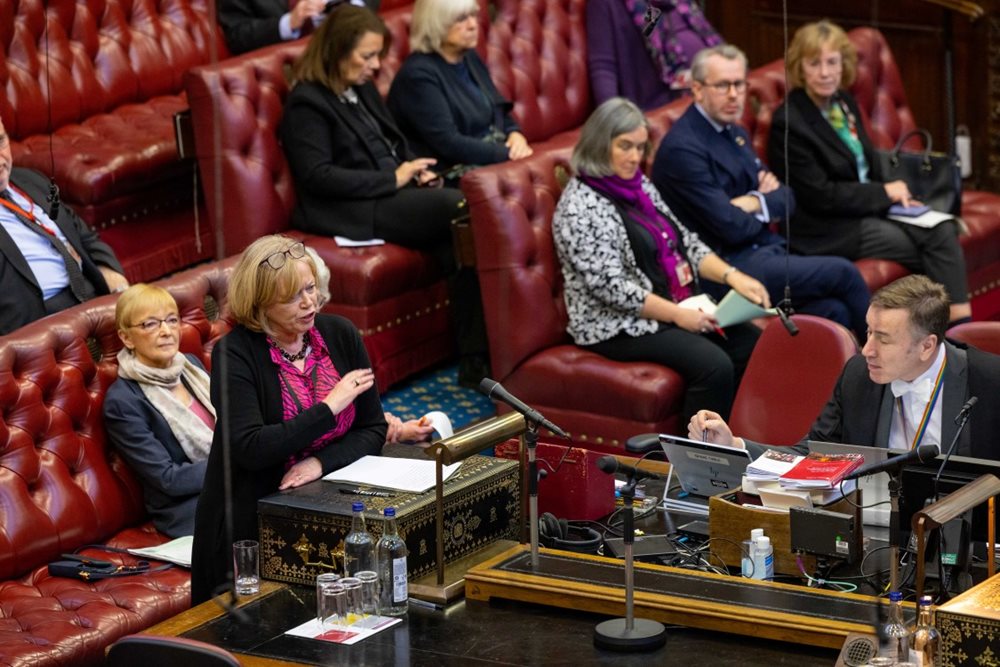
(158, 413)
(295, 397)
(443, 96)
(841, 198)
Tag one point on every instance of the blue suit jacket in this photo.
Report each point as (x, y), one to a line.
(171, 483)
(698, 170)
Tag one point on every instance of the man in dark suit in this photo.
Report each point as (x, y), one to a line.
(711, 178)
(46, 265)
(253, 24)
(907, 385)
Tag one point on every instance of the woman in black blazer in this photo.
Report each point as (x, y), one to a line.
(354, 173)
(841, 201)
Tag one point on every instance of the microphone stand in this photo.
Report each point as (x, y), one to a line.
(530, 444)
(629, 633)
(895, 484)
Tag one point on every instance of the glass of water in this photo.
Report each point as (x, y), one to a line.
(331, 601)
(246, 558)
(369, 591)
(352, 586)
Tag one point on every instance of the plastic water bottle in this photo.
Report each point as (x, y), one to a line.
(895, 633)
(763, 559)
(748, 547)
(359, 547)
(393, 588)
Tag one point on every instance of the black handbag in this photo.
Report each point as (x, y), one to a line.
(933, 178)
(85, 568)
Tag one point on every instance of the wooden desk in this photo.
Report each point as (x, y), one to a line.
(468, 633)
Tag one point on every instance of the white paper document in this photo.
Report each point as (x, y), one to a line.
(412, 475)
(345, 242)
(176, 551)
(362, 628)
(929, 219)
(733, 309)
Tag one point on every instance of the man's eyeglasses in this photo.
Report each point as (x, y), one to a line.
(722, 87)
(151, 324)
(276, 260)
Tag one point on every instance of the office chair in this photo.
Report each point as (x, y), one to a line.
(155, 651)
(789, 379)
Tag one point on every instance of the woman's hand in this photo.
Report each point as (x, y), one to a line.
(749, 287)
(414, 430)
(899, 193)
(517, 146)
(415, 170)
(301, 473)
(694, 321)
(352, 385)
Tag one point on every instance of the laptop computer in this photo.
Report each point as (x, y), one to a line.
(874, 488)
(703, 469)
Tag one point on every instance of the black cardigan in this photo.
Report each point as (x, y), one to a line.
(247, 397)
(823, 173)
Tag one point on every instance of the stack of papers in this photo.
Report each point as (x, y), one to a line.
(771, 465)
(411, 475)
(784, 479)
(733, 309)
(176, 551)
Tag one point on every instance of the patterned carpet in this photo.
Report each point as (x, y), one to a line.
(438, 389)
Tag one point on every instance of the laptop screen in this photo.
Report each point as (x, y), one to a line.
(705, 469)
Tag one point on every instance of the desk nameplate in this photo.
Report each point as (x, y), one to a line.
(673, 595)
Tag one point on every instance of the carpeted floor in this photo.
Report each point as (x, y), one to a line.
(438, 389)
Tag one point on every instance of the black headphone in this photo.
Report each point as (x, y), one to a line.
(558, 534)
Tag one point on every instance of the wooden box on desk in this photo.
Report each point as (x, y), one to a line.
(970, 627)
(302, 530)
(730, 522)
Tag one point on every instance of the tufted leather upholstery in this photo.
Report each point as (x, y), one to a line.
(789, 379)
(887, 117)
(396, 296)
(984, 335)
(114, 81)
(62, 486)
(600, 402)
(537, 55)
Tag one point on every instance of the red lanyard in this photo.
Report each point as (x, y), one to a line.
(20, 212)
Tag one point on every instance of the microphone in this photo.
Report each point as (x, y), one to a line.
(785, 309)
(961, 419)
(495, 391)
(921, 454)
(611, 465)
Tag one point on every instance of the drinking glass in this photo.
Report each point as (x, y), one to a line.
(352, 587)
(246, 555)
(331, 602)
(369, 592)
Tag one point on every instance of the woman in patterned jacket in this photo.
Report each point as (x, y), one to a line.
(628, 263)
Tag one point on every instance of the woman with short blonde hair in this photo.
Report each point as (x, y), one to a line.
(295, 395)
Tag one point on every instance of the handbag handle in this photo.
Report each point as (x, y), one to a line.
(925, 156)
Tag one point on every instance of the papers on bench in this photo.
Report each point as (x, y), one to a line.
(784, 479)
(927, 219)
(411, 475)
(176, 551)
(733, 309)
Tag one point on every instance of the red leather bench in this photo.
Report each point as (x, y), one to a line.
(63, 486)
(98, 116)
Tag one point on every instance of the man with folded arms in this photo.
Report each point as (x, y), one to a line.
(907, 385)
(713, 181)
(46, 264)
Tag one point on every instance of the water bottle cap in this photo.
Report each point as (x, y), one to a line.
(763, 541)
(755, 533)
(895, 596)
(926, 601)
(357, 506)
(389, 511)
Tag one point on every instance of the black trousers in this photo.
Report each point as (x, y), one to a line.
(711, 366)
(934, 252)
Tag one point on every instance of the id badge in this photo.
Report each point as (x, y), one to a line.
(684, 274)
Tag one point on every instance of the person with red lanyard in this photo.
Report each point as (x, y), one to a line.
(906, 387)
(50, 259)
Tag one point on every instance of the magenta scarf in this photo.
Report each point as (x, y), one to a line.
(680, 33)
(629, 193)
